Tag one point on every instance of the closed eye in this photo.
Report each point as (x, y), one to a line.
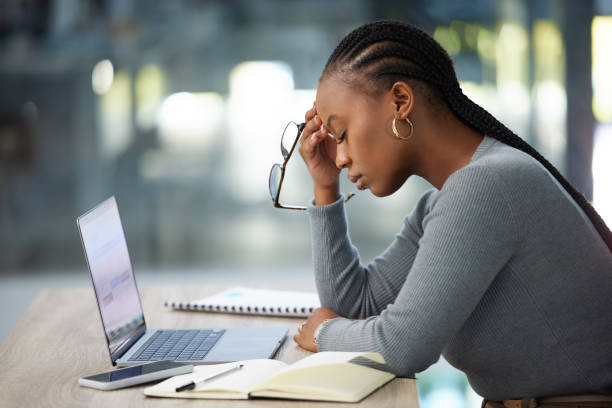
(341, 138)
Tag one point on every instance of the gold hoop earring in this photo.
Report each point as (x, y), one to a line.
(397, 134)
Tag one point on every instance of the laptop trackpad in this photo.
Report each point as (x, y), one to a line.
(246, 344)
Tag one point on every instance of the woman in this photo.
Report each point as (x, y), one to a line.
(504, 268)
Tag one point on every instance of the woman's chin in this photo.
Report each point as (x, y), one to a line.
(383, 191)
(378, 192)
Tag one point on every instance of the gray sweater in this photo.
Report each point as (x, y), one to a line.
(500, 271)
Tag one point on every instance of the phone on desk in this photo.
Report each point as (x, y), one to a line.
(140, 374)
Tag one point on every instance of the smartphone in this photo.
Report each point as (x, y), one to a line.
(125, 377)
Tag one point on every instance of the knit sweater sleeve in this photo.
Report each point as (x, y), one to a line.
(343, 284)
(469, 234)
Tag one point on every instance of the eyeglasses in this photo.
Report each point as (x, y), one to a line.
(277, 173)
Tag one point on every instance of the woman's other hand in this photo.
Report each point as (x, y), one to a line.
(305, 336)
(318, 150)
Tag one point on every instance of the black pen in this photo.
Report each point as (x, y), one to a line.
(191, 385)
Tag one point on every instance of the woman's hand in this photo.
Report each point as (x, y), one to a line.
(305, 336)
(319, 153)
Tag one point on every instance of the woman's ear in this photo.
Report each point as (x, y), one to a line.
(403, 99)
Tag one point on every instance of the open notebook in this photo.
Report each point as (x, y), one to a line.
(324, 376)
(254, 301)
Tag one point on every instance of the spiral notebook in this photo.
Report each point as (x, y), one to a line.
(252, 301)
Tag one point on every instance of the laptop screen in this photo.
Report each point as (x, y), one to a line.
(112, 276)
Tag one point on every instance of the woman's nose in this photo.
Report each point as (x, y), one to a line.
(342, 157)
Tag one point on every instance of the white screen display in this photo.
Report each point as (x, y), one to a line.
(111, 271)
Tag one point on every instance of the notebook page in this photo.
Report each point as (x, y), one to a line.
(243, 380)
(238, 382)
(338, 382)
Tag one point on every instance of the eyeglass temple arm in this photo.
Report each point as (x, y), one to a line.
(283, 167)
(289, 207)
(301, 127)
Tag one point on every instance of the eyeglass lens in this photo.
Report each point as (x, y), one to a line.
(289, 135)
(274, 181)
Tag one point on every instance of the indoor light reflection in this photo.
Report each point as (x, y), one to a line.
(190, 121)
(149, 88)
(602, 66)
(550, 103)
(512, 71)
(602, 170)
(259, 106)
(115, 118)
(102, 77)
(549, 96)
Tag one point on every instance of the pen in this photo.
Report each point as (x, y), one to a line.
(191, 385)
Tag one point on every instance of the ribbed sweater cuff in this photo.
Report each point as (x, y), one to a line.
(330, 335)
(323, 210)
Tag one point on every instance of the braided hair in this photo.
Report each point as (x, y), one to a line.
(390, 51)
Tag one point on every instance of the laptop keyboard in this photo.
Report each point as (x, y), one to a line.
(178, 345)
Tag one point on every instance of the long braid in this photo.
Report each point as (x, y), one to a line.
(388, 51)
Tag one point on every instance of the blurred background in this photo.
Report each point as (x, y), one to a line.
(177, 108)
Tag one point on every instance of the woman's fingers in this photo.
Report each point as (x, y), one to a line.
(318, 151)
(310, 142)
(310, 113)
(313, 125)
(304, 336)
(321, 134)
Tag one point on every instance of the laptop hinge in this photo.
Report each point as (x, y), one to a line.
(140, 331)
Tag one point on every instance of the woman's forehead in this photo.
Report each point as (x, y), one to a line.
(334, 97)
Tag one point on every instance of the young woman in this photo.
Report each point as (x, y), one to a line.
(504, 268)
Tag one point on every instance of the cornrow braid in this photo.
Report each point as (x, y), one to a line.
(388, 51)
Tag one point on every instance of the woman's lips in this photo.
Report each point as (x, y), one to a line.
(358, 180)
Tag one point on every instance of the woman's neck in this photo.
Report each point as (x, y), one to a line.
(448, 146)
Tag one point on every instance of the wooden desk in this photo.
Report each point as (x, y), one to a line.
(60, 338)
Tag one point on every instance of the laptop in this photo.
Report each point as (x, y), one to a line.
(129, 340)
